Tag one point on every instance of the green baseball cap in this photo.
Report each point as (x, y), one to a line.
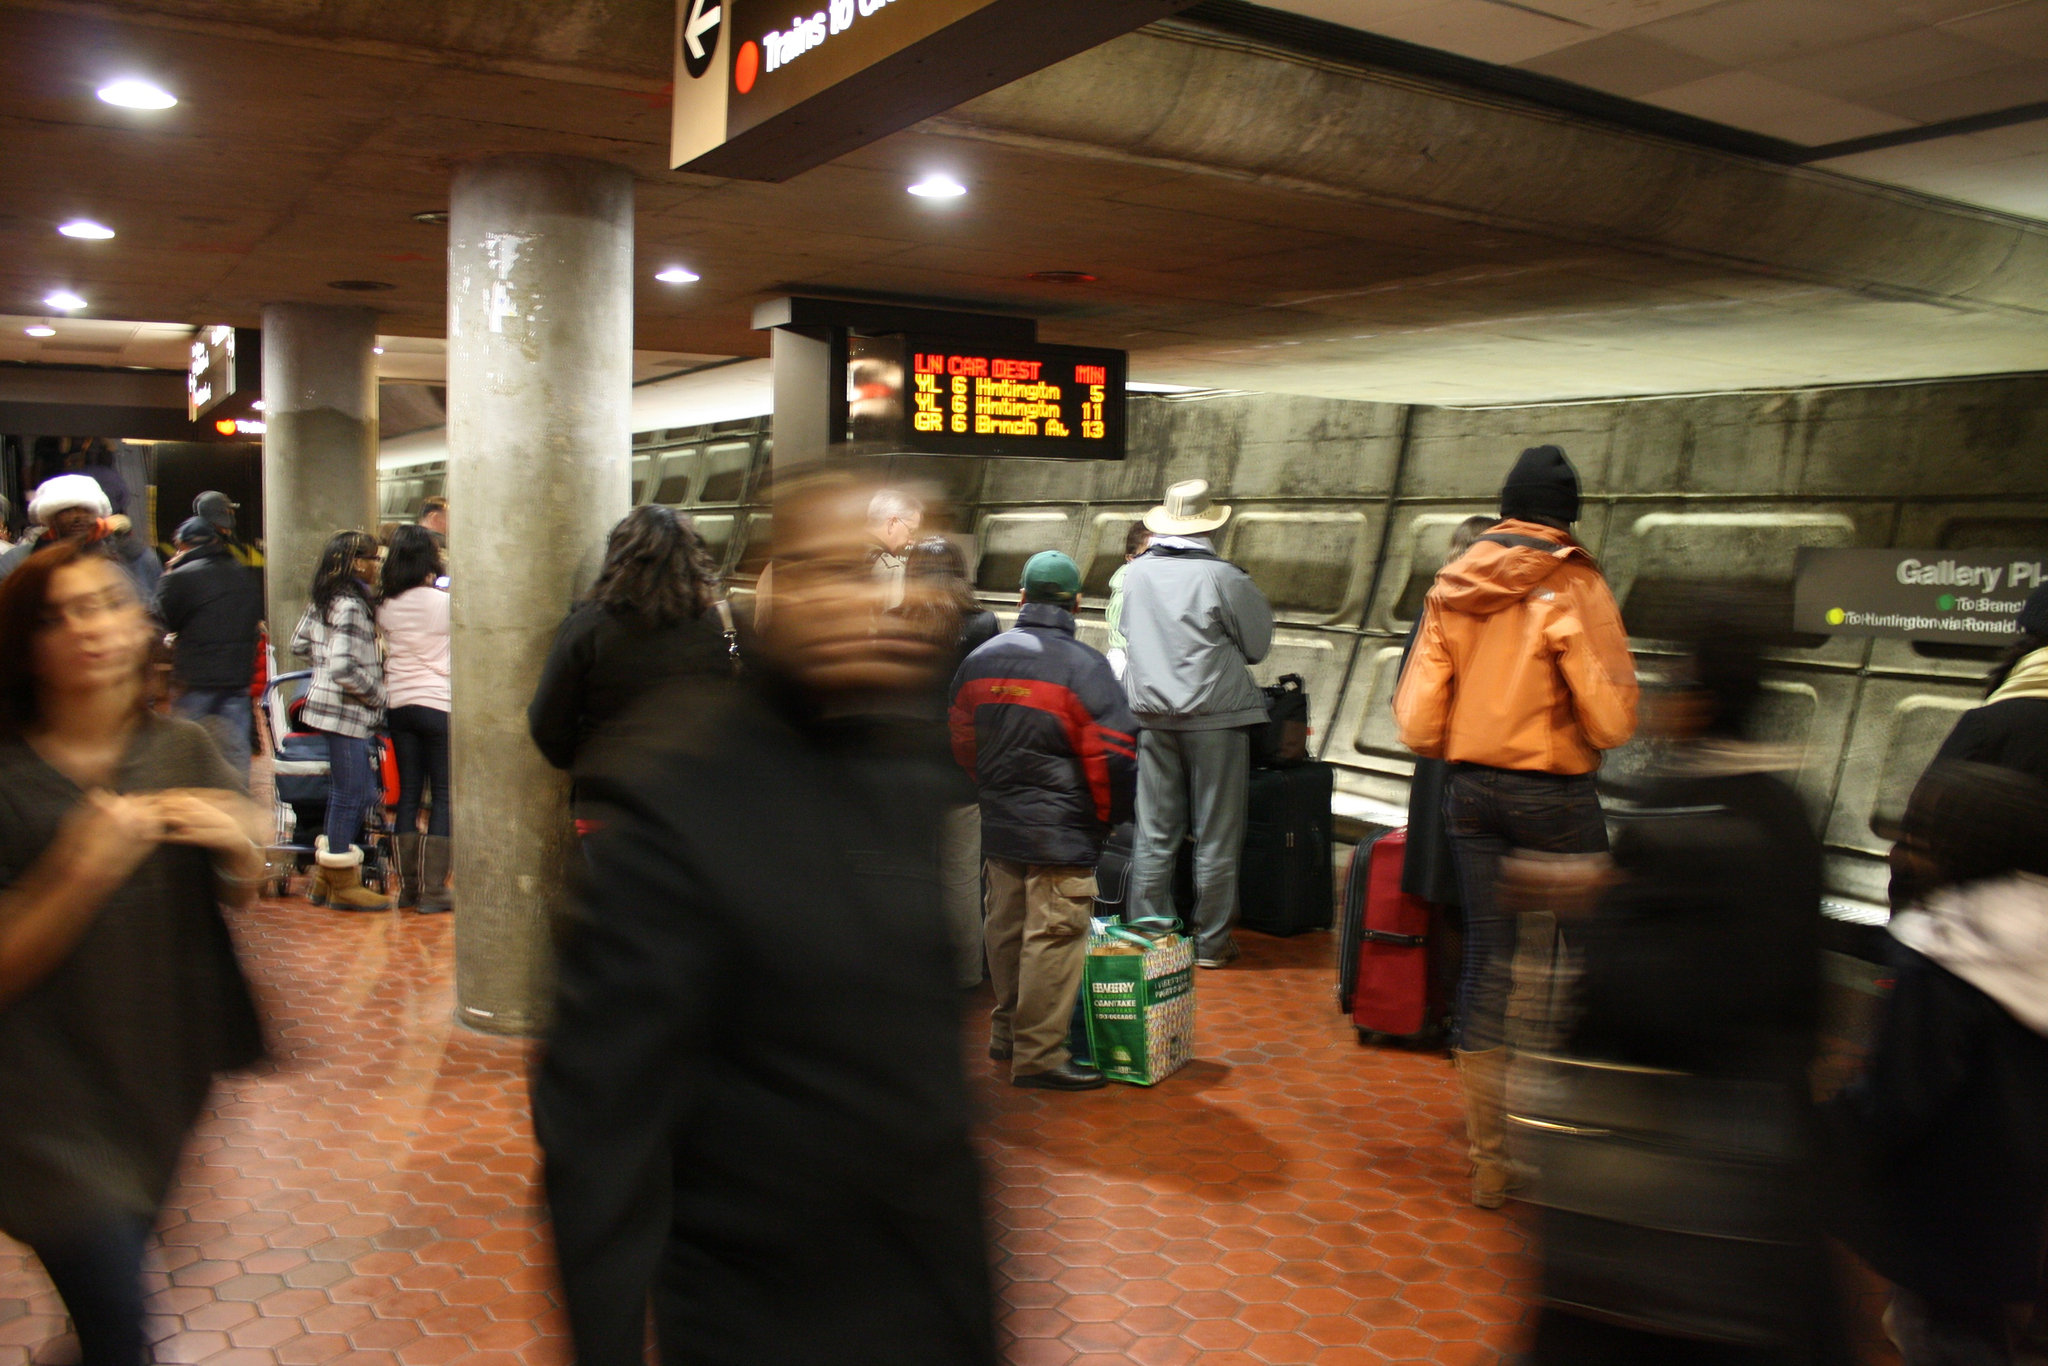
(1050, 576)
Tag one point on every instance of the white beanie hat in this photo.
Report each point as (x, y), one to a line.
(54, 495)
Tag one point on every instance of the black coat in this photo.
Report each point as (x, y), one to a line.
(214, 605)
(753, 1099)
(1429, 871)
(603, 662)
(1942, 1144)
(2010, 734)
(1040, 723)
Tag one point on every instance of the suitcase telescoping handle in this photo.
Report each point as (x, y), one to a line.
(1406, 941)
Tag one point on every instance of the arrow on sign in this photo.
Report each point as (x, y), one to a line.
(701, 22)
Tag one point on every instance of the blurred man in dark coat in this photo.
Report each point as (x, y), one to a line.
(753, 1106)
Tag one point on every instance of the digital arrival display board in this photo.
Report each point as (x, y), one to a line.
(932, 395)
(765, 89)
(1961, 597)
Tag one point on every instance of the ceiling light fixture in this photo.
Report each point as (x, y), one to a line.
(360, 286)
(64, 301)
(87, 229)
(678, 275)
(436, 218)
(134, 94)
(1063, 277)
(40, 331)
(938, 187)
(376, 350)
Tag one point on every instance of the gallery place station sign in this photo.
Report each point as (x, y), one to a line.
(1964, 597)
(765, 89)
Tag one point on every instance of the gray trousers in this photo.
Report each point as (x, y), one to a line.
(1191, 779)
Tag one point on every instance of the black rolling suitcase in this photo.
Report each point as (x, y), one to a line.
(1284, 885)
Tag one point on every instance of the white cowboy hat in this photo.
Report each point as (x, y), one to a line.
(1187, 511)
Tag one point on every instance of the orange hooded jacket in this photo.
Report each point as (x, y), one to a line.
(1521, 662)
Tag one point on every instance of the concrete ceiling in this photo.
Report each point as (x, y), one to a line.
(1810, 72)
(1257, 219)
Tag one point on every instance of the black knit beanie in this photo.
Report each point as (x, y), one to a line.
(1542, 486)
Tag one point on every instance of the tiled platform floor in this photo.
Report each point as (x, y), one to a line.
(1290, 1198)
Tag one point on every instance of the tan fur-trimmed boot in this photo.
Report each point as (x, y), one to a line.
(339, 881)
(1483, 1075)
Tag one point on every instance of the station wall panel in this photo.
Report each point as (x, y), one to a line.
(1899, 724)
(1311, 563)
(1005, 540)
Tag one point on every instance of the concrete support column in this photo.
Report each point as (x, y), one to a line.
(540, 374)
(319, 446)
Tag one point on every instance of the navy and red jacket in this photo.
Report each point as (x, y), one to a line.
(1040, 724)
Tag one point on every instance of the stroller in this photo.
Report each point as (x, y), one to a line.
(299, 765)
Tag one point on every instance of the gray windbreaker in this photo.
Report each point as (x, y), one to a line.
(1195, 622)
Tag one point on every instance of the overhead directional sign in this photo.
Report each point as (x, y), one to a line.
(1962, 597)
(768, 88)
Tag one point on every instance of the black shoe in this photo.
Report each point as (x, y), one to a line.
(1068, 1076)
(1000, 1051)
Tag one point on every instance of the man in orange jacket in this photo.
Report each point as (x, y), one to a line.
(1520, 676)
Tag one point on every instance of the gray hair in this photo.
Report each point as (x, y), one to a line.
(890, 505)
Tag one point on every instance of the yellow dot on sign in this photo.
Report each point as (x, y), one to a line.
(1836, 616)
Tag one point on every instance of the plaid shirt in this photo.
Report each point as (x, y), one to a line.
(347, 696)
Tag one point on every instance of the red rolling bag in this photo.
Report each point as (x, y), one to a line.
(1386, 943)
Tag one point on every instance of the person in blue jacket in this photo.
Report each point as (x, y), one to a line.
(1040, 723)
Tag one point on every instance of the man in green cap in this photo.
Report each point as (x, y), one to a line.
(1040, 723)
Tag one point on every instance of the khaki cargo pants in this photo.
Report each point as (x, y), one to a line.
(1037, 933)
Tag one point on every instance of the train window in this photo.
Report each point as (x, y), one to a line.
(1302, 561)
(1010, 538)
(1746, 555)
(725, 471)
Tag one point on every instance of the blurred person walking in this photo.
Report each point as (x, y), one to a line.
(413, 617)
(1941, 1140)
(1040, 723)
(894, 518)
(938, 599)
(649, 621)
(1136, 538)
(752, 1105)
(1698, 1002)
(345, 703)
(75, 507)
(121, 834)
(1519, 678)
(214, 609)
(1195, 624)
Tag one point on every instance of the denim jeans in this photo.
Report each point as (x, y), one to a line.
(224, 713)
(97, 1270)
(420, 735)
(1490, 811)
(351, 787)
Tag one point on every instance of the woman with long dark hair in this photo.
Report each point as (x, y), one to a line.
(121, 835)
(346, 704)
(649, 620)
(414, 619)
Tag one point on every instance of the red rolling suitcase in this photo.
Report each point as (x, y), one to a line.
(1387, 932)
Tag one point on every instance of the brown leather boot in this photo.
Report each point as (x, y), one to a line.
(407, 855)
(435, 853)
(339, 882)
(1483, 1075)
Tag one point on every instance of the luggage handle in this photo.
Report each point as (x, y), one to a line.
(1406, 941)
(1291, 683)
(1129, 935)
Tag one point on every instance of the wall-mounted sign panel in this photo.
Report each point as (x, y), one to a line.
(765, 89)
(1962, 597)
(939, 396)
(225, 366)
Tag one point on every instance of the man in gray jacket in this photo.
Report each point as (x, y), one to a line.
(1195, 623)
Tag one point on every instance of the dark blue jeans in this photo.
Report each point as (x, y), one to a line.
(1490, 811)
(351, 787)
(97, 1269)
(420, 735)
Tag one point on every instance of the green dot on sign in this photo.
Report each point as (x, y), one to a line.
(1836, 616)
(1946, 602)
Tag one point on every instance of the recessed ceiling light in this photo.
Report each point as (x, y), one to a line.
(678, 275)
(1062, 277)
(360, 286)
(40, 331)
(87, 229)
(64, 301)
(938, 187)
(432, 217)
(134, 94)
(376, 350)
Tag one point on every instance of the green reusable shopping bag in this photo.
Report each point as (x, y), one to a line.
(1141, 1003)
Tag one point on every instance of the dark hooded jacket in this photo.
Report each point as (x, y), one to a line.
(2011, 729)
(214, 606)
(1040, 723)
(752, 1103)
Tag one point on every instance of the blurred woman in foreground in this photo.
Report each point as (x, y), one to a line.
(121, 833)
(1671, 1142)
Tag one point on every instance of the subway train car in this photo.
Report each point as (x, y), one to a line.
(1344, 511)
